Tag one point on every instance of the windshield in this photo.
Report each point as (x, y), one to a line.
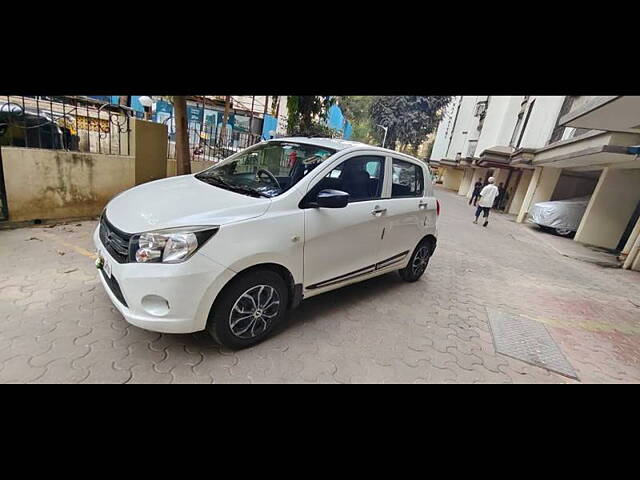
(266, 170)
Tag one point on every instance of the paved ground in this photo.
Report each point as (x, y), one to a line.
(57, 324)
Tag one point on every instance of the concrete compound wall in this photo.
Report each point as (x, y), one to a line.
(195, 167)
(55, 184)
(50, 184)
(149, 147)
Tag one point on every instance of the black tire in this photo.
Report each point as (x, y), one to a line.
(226, 326)
(412, 272)
(564, 232)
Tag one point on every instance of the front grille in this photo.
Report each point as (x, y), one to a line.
(115, 288)
(115, 241)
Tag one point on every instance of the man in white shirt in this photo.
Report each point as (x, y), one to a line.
(487, 196)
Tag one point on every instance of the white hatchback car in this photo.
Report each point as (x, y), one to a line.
(232, 248)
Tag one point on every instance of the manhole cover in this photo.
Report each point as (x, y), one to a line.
(529, 341)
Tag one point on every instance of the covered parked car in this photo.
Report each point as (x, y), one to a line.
(561, 216)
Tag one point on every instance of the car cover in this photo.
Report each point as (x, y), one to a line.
(565, 214)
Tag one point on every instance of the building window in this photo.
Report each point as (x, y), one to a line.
(521, 115)
(471, 149)
(526, 121)
(566, 108)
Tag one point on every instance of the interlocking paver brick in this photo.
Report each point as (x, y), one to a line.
(58, 325)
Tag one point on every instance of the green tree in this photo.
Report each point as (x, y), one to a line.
(305, 113)
(356, 110)
(409, 119)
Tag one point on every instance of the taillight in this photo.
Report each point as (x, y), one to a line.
(437, 207)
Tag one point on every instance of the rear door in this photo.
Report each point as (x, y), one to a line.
(410, 210)
(343, 243)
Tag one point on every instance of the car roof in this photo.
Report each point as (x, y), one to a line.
(339, 144)
(333, 143)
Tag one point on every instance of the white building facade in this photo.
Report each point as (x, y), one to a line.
(542, 148)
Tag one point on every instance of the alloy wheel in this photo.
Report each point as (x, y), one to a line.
(420, 261)
(253, 311)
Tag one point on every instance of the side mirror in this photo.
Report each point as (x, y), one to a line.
(332, 199)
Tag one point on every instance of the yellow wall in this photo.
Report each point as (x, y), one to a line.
(610, 208)
(520, 192)
(465, 184)
(149, 144)
(540, 189)
(478, 176)
(52, 184)
(452, 178)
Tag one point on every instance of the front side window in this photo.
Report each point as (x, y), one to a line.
(267, 169)
(408, 179)
(361, 177)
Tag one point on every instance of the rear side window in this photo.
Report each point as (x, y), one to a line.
(407, 179)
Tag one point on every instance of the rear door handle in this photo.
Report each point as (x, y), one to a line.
(377, 210)
(423, 205)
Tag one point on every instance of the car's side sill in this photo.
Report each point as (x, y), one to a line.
(360, 272)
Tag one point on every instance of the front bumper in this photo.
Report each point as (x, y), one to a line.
(189, 289)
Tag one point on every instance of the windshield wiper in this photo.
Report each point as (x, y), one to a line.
(248, 190)
(235, 188)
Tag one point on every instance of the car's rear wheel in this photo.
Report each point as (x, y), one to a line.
(417, 263)
(564, 232)
(248, 309)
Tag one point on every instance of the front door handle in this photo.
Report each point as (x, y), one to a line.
(377, 210)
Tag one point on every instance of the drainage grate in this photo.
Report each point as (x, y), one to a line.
(529, 341)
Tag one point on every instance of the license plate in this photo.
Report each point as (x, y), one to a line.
(107, 267)
(103, 264)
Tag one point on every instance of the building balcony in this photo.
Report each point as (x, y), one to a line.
(610, 113)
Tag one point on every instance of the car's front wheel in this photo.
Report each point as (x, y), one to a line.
(248, 309)
(417, 263)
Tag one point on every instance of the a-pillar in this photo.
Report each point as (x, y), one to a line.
(541, 187)
(610, 208)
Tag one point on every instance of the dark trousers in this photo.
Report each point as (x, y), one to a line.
(480, 210)
(474, 199)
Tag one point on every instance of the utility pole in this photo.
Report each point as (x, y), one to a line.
(385, 134)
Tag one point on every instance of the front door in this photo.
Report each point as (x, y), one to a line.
(343, 243)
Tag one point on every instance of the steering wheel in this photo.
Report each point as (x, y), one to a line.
(271, 176)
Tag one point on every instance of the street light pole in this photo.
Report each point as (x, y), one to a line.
(385, 134)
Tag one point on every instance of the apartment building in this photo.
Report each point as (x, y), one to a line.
(544, 148)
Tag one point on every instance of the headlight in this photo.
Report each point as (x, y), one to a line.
(173, 245)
